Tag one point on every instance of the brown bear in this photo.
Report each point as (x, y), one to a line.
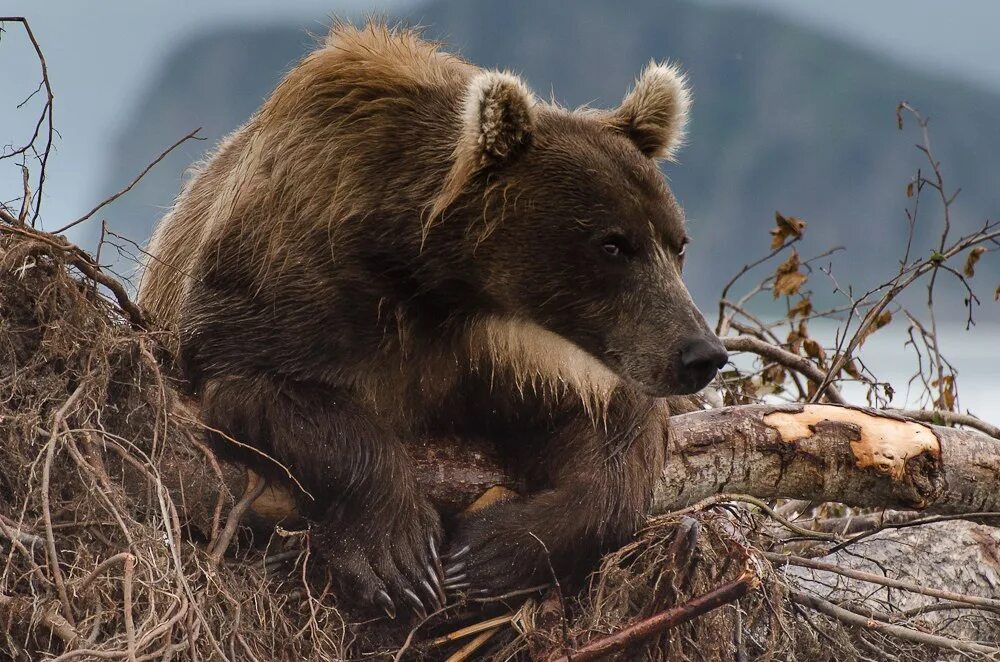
(399, 244)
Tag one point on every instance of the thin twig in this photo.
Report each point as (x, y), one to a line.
(794, 362)
(50, 540)
(12, 531)
(833, 611)
(82, 261)
(948, 605)
(979, 516)
(782, 559)
(906, 277)
(26, 200)
(475, 628)
(746, 498)
(254, 489)
(46, 114)
(942, 417)
(288, 472)
(107, 201)
(475, 644)
(80, 585)
(22, 611)
(220, 500)
(127, 599)
(720, 328)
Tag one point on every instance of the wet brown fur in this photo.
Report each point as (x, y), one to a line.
(370, 259)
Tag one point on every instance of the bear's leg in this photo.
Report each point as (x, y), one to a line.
(601, 475)
(371, 524)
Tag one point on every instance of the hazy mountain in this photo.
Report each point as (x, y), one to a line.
(784, 119)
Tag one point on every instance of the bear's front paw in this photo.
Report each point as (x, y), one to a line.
(493, 552)
(392, 565)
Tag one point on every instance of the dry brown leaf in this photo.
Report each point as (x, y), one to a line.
(909, 190)
(803, 308)
(850, 367)
(970, 261)
(788, 279)
(947, 382)
(814, 350)
(785, 227)
(774, 374)
(882, 320)
(794, 342)
(946, 400)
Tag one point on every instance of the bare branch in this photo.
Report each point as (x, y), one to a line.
(780, 559)
(857, 620)
(942, 417)
(659, 623)
(82, 261)
(46, 115)
(794, 362)
(191, 136)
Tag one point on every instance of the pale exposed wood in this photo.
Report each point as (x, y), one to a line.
(883, 443)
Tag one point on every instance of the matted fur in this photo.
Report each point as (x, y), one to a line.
(358, 70)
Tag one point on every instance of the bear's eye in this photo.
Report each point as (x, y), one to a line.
(617, 246)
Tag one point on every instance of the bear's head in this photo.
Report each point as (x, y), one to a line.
(574, 229)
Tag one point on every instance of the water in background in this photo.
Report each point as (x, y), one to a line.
(975, 354)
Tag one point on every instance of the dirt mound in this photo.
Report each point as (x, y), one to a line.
(99, 553)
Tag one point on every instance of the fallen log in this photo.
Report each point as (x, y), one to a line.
(851, 455)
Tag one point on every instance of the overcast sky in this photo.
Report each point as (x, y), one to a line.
(100, 54)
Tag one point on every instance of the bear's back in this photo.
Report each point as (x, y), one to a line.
(364, 123)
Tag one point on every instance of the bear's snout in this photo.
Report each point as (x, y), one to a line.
(700, 359)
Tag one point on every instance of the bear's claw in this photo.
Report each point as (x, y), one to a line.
(415, 602)
(383, 600)
(451, 558)
(392, 570)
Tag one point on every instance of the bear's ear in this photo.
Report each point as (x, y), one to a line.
(497, 116)
(654, 114)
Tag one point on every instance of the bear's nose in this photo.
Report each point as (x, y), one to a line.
(701, 358)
